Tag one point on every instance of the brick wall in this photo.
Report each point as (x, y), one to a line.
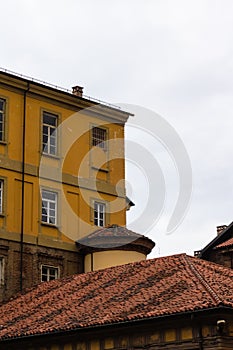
(34, 256)
(221, 257)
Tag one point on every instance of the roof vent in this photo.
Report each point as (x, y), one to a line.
(220, 229)
(77, 91)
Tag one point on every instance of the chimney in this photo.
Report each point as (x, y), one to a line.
(220, 229)
(77, 91)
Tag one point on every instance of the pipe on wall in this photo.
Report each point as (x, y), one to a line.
(23, 184)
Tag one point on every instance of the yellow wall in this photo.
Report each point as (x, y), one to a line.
(160, 338)
(75, 215)
(105, 259)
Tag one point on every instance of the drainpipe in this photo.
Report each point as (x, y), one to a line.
(23, 185)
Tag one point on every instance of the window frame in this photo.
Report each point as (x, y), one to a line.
(55, 209)
(98, 141)
(49, 135)
(49, 267)
(97, 218)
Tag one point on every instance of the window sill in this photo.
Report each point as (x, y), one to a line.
(56, 157)
(3, 143)
(49, 225)
(100, 169)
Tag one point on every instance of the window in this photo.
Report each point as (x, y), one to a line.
(49, 133)
(2, 119)
(99, 137)
(49, 207)
(99, 214)
(2, 265)
(1, 196)
(49, 273)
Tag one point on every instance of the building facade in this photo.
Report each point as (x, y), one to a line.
(61, 177)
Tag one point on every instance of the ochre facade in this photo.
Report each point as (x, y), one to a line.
(79, 174)
(100, 260)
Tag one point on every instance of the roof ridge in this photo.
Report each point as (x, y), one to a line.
(205, 284)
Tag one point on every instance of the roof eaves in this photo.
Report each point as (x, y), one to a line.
(63, 332)
(66, 92)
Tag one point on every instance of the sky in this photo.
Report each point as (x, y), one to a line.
(173, 57)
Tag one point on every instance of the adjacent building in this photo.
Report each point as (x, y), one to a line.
(220, 249)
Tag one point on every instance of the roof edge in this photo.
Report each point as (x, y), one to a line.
(219, 308)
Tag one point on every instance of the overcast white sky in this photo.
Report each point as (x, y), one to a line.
(174, 57)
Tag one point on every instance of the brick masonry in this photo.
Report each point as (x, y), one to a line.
(34, 256)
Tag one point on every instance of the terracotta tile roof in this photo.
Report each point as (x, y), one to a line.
(151, 288)
(113, 230)
(225, 244)
(115, 236)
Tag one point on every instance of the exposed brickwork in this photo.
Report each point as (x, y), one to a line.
(33, 257)
(221, 258)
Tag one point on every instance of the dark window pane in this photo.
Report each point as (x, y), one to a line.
(45, 130)
(99, 137)
(50, 119)
(44, 218)
(45, 139)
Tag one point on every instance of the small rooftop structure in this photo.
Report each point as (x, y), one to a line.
(113, 245)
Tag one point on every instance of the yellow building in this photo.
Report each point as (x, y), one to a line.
(61, 177)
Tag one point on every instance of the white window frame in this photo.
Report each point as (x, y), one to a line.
(99, 214)
(1, 195)
(2, 119)
(49, 275)
(49, 207)
(97, 139)
(49, 134)
(2, 271)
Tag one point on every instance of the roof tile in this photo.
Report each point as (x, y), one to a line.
(140, 290)
(225, 244)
